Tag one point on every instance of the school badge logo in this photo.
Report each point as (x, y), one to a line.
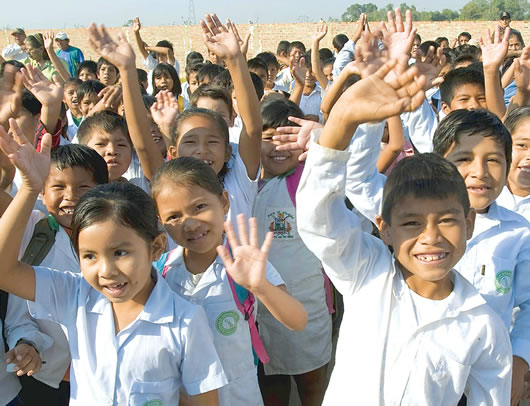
(280, 226)
(226, 323)
(503, 281)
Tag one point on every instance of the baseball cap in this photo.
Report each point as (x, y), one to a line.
(18, 31)
(505, 14)
(61, 36)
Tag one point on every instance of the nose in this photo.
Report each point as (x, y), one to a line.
(110, 149)
(430, 234)
(190, 224)
(106, 268)
(473, 104)
(70, 193)
(478, 168)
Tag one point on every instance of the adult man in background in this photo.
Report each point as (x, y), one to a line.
(16, 51)
(71, 55)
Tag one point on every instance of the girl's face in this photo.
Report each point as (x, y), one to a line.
(37, 54)
(164, 82)
(85, 75)
(115, 149)
(514, 44)
(116, 261)
(519, 175)
(275, 162)
(200, 137)
(271, 75)
(193, 216)
(193, 82)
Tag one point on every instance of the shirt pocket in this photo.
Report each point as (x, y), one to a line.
(153, 393)
(494, 276)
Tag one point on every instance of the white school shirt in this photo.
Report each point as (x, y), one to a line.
(292, 352)
(421, 125)
(284, 78)
(61, 258)
(231, 334)
(135, 174)
(467, 351)
(310, 104)
(71, 131)
(497, 263)
(168, 345)
(515, 203)
(344, 57)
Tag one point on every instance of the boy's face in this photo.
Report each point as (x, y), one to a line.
(462, 40)
(519, 175)
(263, 75)
(85, 74)
(444, 44)
(514, 44)
(217, 105)
(482, 163)
(70, 98)
(428, 236)
(88, 102)
(115, 148)
(64, 44)
(468, 97)
(275, 162)
(271, 75)
(107, 74)
(193, 82)
(295, 55)
(63, 189)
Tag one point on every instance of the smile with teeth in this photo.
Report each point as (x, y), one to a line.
(279, 157)
(431, 257)
(207, 162)
(198, 236)
(525, 169)
(67, 210)
(116, 289)
(478, 189)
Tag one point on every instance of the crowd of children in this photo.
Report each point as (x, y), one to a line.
(200, 241)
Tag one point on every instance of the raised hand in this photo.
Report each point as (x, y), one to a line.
(430, 66)
(368, 57)
(521, 71)
(11, 88)
(321, 31)
(296, 138)
(118, 53)
(26, 358)
(299, 70)
(48, 38)
(219, 39)
(165, 110)
(399, 38)
(493, 52)
(243, 44)
(46, 92)
(34, 166)
(248, 263)
(137, 26)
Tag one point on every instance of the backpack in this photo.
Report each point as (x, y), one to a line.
(245, 304)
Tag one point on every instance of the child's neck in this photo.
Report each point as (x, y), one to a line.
(434, 290)
(307, 90)
(199, 262)
(125, 313)
(518, 191)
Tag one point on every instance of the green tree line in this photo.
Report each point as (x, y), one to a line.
(489, 10)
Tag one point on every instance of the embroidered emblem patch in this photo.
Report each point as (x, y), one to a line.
(280, 225)
(226, 322)
(503, 281)
(154, 402)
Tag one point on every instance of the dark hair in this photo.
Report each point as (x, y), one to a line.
(417, 37)
(122, 202)
(106, 121)
(275, 113)
(339, 41)
(166, 69)
(193, 57)
(465, 34)
(223, 80)
(439, 40)
(186, 171)
(89, 87)
(142, 75)
(216, 118)
(102, 61)
(18, 65)
(212, 92)
(259, 86)
(90, 66)
(515, 33)
(325, 53)
(148, 101)
(352, 79)
(165, 44)
(194, 67)
(210, 71)
(298, 45)
(37, 41)
(462, 58)
(256, 63)
(425, 46)
(457, 78)
(75, 155)
(30, 103)
(327, 62)
(423, 176)
(462, 123)
(515, 117)
(283, 47)
(72, 81)
(467, 49)
(268, 58)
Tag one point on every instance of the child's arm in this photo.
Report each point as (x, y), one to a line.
(248, 269)
(122, 56)
(493, 53)
(296, 138)
(316, 66)
(141, 46)
(298, 71)
(163, 50)
(522, 79)
(11, 88)
(164, 112)
(243, 44)
(395, 144)
(57, 62)
(347, 53)
(334, 92)
(204, 399)
(222, 42)
(16, 277)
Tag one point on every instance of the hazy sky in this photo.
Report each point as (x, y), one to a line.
(75, 13)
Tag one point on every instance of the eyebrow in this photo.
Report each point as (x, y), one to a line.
(443, 212)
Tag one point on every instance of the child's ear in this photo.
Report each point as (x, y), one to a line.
(228, 152)
(226, 202)
(172, 152)
(446, 109)
(384, 230)
(159, 246)
(470, 223)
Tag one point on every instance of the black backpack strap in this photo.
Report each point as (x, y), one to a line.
(41, 241)
(3, 312)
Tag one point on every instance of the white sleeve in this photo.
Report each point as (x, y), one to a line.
(333, 233)
(520, 334)
(421, 125)
(242, 189)
(11, 51)
(19, 325)
(150, 62)
(364, 183)
(344, 57)
(56, 295)
(201, 368)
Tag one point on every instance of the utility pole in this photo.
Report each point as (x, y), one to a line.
(192, 20)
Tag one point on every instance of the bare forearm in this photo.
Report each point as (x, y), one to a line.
(316, 66)
(140, 44)
(58, 65)
(338, 131)
(334, 92)
(494, 92)
(296, 94)
(50, 116)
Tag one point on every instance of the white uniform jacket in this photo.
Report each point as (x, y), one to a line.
(517, 204)
(466, 351)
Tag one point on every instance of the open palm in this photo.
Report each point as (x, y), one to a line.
(45, 91)
(219, 39)
(118, 53)
(10, 95)
(399, 37)
(494, 52)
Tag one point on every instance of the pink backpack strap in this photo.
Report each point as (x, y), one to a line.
(169, 260)
(293, 180)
